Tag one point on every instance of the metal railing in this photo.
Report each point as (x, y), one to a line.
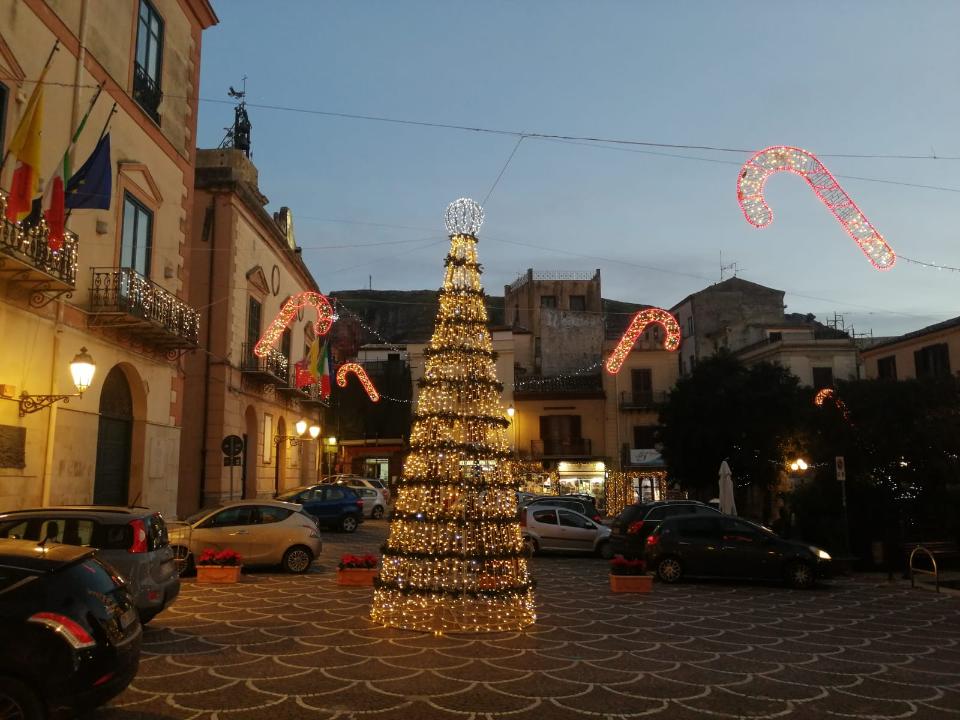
(146, 91)
(274, 363)
(123, 290)
(31, 246)
(563, 383)
(550, 275)
(566, 447)
(637, 399)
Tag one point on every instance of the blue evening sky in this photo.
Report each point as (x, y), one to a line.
(869, 77)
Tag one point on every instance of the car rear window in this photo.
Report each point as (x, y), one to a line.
(65, 530)
(270, 514)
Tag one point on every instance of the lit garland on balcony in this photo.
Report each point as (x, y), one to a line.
(783, 158)
(325, 319)
(454, 559)
(639, 323)
(358, 370)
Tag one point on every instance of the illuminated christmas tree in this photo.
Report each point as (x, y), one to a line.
(454, 560)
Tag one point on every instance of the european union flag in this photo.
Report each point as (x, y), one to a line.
(91, 185)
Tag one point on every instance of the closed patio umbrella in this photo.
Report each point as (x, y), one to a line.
(727, 504)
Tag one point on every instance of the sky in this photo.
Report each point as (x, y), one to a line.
(368, 196)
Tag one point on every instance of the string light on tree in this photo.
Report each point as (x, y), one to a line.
(454, 560)
(358, 370)
(639, 323)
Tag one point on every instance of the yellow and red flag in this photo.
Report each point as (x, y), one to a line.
(25, 148)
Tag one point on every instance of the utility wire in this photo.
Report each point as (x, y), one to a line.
(503, 169)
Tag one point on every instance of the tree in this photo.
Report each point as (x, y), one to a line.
(454, 559)
(751, 416)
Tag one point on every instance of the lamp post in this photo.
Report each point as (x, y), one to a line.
(82, 369)
(515, 421)
(331, 450)
(294, 440)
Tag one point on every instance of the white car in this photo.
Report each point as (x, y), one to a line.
(374, 504)
(355, 481)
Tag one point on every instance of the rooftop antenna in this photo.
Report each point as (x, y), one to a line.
(732, 266)
(238, 136)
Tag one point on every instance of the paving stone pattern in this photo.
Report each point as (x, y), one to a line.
(280, 646)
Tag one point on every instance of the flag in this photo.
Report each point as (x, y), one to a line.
(53, 207)
(313, 360)
(25, 147)
(325, 379)
(301, 374)
(91, 185)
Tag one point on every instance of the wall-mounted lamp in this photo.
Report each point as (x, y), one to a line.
(82, 369)
(511, 410)
(301, 427)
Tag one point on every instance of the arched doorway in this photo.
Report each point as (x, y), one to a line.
(250, 455)
(111, 484)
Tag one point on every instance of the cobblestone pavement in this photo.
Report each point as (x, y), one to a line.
(281, 646)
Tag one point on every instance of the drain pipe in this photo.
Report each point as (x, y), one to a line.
(211, 232)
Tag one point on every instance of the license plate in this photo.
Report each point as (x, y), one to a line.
(128, 618)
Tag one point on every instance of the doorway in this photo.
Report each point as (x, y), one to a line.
(111, 484)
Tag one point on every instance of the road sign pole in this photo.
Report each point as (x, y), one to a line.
(841, 467)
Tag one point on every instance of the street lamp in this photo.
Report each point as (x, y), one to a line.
(301, 427)
(331, 450)
(798, 465)
(511, 411)
(82, 369)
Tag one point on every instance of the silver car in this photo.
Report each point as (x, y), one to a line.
(374, 503)
(131, 539)
(545, 527)
(263, 532)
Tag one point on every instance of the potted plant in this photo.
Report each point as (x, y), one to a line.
(629, 575)
(359, 570)
(218, 567)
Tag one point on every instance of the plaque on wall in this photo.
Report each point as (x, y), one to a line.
(13, 442)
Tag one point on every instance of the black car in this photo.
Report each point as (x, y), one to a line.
(635, 522)
(583, 504)
(69, 631)
(721, 546)
(335, 506)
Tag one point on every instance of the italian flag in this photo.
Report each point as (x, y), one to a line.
(318, 364)
(53, 205)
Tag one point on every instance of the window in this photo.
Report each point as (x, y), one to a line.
(578, 302)
(700, 527)
(822, 377)
(136, 236)
(285, 342)
(546, 517)
(333, 493)
(644, 436)
(270, 514)
(147, 67)
(689, 326)
(776, 337)
(642, 381)
(231, 516)
(887, 368)
(253, 325)
(932, 361)
(569, 519)
(548, 301)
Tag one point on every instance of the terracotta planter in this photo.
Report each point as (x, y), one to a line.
(631, 583)
(218, 573)
(360, 577)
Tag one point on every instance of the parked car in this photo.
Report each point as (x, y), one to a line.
(635, 522)
(545, 527)
(263, 532)
(131, 539)
(583, 504)
(333, 505)
(374, 503)
(69, 631)
(715, 545)
(355, 481)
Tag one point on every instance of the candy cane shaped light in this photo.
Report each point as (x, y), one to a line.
(639, 323)
(325, 318)
(357, 369)
(783, 158)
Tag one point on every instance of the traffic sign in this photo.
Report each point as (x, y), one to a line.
(232, 445)
(232, 461)
(841, 469)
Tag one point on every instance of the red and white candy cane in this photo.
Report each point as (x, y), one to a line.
(357, 369)
(783, 158)
(325, 318)
(639, 323)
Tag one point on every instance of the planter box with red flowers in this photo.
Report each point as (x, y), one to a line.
(357, 570)
(218, 567)
(629, 575)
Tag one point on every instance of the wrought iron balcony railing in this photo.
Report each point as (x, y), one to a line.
(27, 259)
(641, 399)
(147, 93)
(560, 448)
(273, 367)
(563, 384)
(124, 299)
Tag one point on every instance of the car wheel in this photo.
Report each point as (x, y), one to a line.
(183, 559)
(377, 512)
(669, 570)
(297, 559)
(18, 701)
(348, 523)
(800, 575)
(606, 550)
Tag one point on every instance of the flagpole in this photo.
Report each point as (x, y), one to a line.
(76, 135)
(103, 132)
(43, 75)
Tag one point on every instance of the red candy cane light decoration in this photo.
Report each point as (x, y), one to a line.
(783, 158)
(639, 323)
(357, 369)
(325, 318)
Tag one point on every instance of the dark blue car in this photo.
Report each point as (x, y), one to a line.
(334, 506)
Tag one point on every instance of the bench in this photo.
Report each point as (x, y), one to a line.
(932, 550)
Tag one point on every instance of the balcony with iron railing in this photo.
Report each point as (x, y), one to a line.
(27, 259)
(146, 91)
(642, 399)
(572, 385)
(124, 300)
(273, 368)
(561, 448)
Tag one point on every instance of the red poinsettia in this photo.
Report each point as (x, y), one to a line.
(223, 557)
(366, 562)
(622, 566)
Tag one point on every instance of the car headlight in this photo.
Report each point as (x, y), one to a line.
(822, 554)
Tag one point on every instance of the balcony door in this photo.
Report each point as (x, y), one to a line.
(561, 434)
(136, 241)
(111, 484)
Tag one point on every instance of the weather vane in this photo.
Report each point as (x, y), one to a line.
(238, 136)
